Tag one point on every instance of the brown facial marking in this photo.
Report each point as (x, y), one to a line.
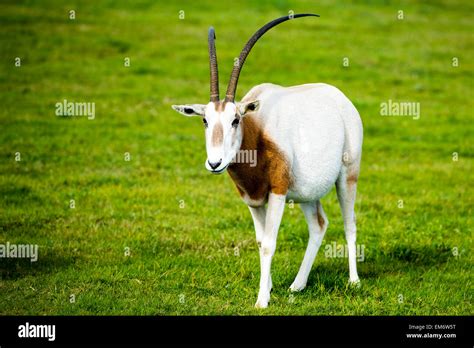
(271, 173)
(217, 134)
(219, 106)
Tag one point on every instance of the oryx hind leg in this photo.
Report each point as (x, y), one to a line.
(346, 186)
(317, 225)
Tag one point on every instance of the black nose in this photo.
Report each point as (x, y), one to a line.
(214, 165)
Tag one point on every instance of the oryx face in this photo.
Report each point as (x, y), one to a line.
(223, 118)
(223, 135)
(223, 130)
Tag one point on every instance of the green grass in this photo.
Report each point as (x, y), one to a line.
(183, 260)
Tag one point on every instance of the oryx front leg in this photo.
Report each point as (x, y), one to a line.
(258, 216)
(346, 186)
(276, 206)
(317, 225)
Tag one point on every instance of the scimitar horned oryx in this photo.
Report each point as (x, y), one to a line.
(306, 139)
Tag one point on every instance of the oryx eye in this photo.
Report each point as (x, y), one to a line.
(235, 122)
(205, 122)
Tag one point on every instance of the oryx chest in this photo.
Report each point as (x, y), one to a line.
(270, 172)
(299, 139)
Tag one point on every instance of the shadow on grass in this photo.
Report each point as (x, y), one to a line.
(19, 195)
(397, 259)
(12, 269)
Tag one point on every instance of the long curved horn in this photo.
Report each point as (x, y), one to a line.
(213, 66)
(234, 77)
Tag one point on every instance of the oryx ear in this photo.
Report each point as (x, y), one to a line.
(247, 107)
(190, 109)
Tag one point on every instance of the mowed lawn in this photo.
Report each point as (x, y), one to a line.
(158, 234)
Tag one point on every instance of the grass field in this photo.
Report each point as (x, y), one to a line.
(160, 235)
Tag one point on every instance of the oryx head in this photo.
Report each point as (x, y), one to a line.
(222, 118)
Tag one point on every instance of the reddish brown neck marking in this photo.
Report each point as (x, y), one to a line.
(271, 174)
